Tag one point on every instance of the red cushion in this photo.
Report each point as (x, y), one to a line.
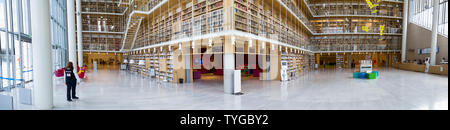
(81, 75)
(197, 75)
(256, 73)
(218, 72)
(59, 72)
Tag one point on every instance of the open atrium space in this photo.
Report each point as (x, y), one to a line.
(224, 54)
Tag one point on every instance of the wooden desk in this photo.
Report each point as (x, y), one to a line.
(411, 67)
(437, 69)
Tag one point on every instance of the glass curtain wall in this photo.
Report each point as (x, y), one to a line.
(59, 41)
(15, 41)
(421, 12)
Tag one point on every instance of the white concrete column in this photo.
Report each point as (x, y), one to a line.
(79, 34)
(228, 65)
(434, 32)
(228, 72)
(187, 63)
(405, 29)
(72, 46)
(71, 32)
(42, 63)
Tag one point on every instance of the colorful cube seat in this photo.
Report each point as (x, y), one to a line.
(376, 72)
(355, 74)
(372, 76)
(362, 75)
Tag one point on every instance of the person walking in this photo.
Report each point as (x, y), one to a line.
(71, 82)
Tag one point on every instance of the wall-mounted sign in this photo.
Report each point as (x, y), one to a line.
(426, 51)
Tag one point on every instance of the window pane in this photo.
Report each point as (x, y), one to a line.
(2, 14)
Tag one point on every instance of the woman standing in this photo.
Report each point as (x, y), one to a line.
(71, 82)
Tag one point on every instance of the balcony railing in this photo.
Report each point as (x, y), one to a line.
(101, 6)
(351, 8)
(297, 12)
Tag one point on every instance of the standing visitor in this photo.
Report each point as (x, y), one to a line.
(71, 82)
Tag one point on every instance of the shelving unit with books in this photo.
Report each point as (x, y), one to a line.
(199, 26)
(214, 5)
(340, 61)
(187, 20)
(215, 21)
(289, 58)
(170, 69)
(302, 67)
(200, 7)
(298, 63)
(184, 19)
(263, 18)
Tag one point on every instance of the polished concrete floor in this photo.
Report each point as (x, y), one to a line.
(320, 90)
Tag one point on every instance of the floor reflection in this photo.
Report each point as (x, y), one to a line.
(110, 89)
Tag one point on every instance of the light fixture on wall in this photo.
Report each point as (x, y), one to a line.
(193, 44)
(273, 47)
(170, 48)
(250, 43)
(263, 45)
(179, 46)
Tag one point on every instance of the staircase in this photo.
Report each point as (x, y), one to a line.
(131, 32)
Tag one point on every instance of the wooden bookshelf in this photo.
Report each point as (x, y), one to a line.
(183, 19)
(162, 61)
(188, 18)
